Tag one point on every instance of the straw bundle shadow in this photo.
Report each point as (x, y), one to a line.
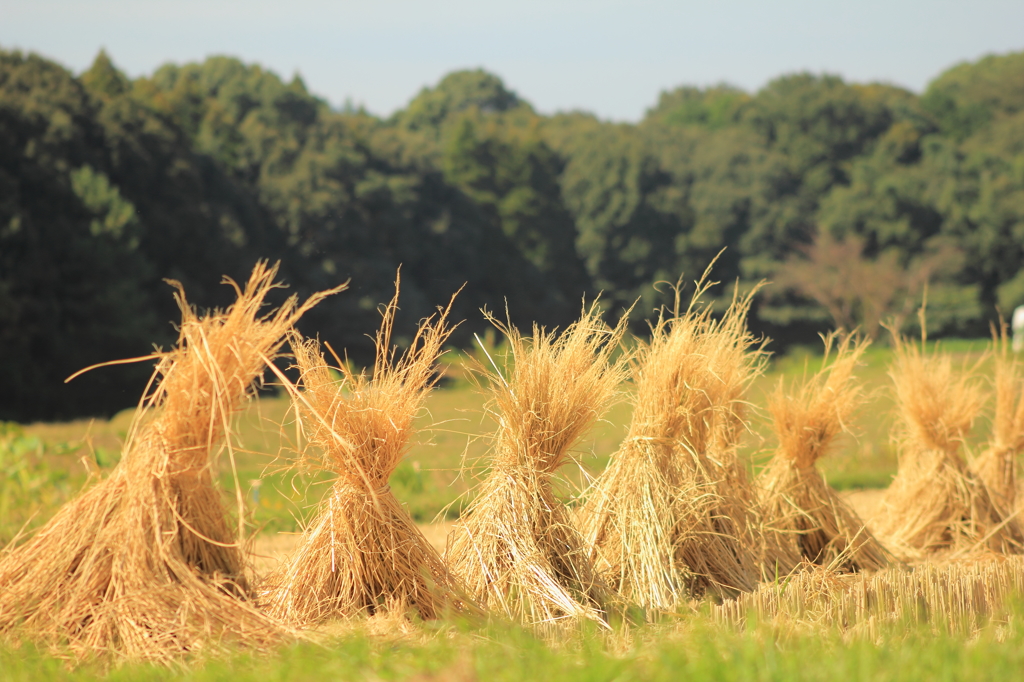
(996, 467)
(363, 553)
(796, 502)
(935, 504)
(671, 516)
(516, 549)
(145, 564)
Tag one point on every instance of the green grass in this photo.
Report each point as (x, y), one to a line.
(692, 649)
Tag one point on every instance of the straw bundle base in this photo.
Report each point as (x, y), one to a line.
(935, 506)
(819, 525)
(518, 552)
(630, 524)
(364, 556)
(118, 569)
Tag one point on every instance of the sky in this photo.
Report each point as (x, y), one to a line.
(607, 57)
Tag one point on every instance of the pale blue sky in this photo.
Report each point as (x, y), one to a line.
(604, 56)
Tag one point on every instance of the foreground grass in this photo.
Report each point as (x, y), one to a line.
(695, 649)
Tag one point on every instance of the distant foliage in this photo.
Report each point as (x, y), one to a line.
(109, 185)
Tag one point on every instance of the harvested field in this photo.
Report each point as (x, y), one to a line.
(970, 599)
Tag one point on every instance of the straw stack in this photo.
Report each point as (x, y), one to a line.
(672, 516)
(935, 505)
(796, 502)
(145, 564)
(516, 549)
(363, 554)
(996, 467)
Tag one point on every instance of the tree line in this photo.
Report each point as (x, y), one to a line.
(851, 198)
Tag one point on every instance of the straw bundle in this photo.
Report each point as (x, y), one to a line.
(363, 553)
(671, 514)
(996, 467)
(145, 564)
(935, 504)
(516, 549)
(796, 502)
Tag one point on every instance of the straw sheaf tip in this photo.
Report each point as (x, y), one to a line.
(806, 420)
(558, 385)
(936, 403)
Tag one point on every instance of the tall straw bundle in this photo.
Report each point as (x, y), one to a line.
(935, 504)
(996, 467)
(672, 513)
(517, 550)
(363, 553)
(796, 502)
(145, 564)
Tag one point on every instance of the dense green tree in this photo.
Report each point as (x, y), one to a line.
(851, 197)
(969, 96)
(69, 256)
(457, 92)
(716, 107)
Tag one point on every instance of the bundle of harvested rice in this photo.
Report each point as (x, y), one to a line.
(935, 504)
(516, 549)
(796, 502)
(145, 564)
(671, 516)
(363, 554)
(996, 467)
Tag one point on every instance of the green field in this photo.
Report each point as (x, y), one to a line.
(43, 464)
(693, 648)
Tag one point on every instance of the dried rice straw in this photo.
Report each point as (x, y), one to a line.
(673, 514)
(996, 467)
(145, 564)
(363, 554)
(935, 505)
(796, 502)
(516, 549)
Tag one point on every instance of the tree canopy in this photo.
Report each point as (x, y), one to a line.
(851, 197)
